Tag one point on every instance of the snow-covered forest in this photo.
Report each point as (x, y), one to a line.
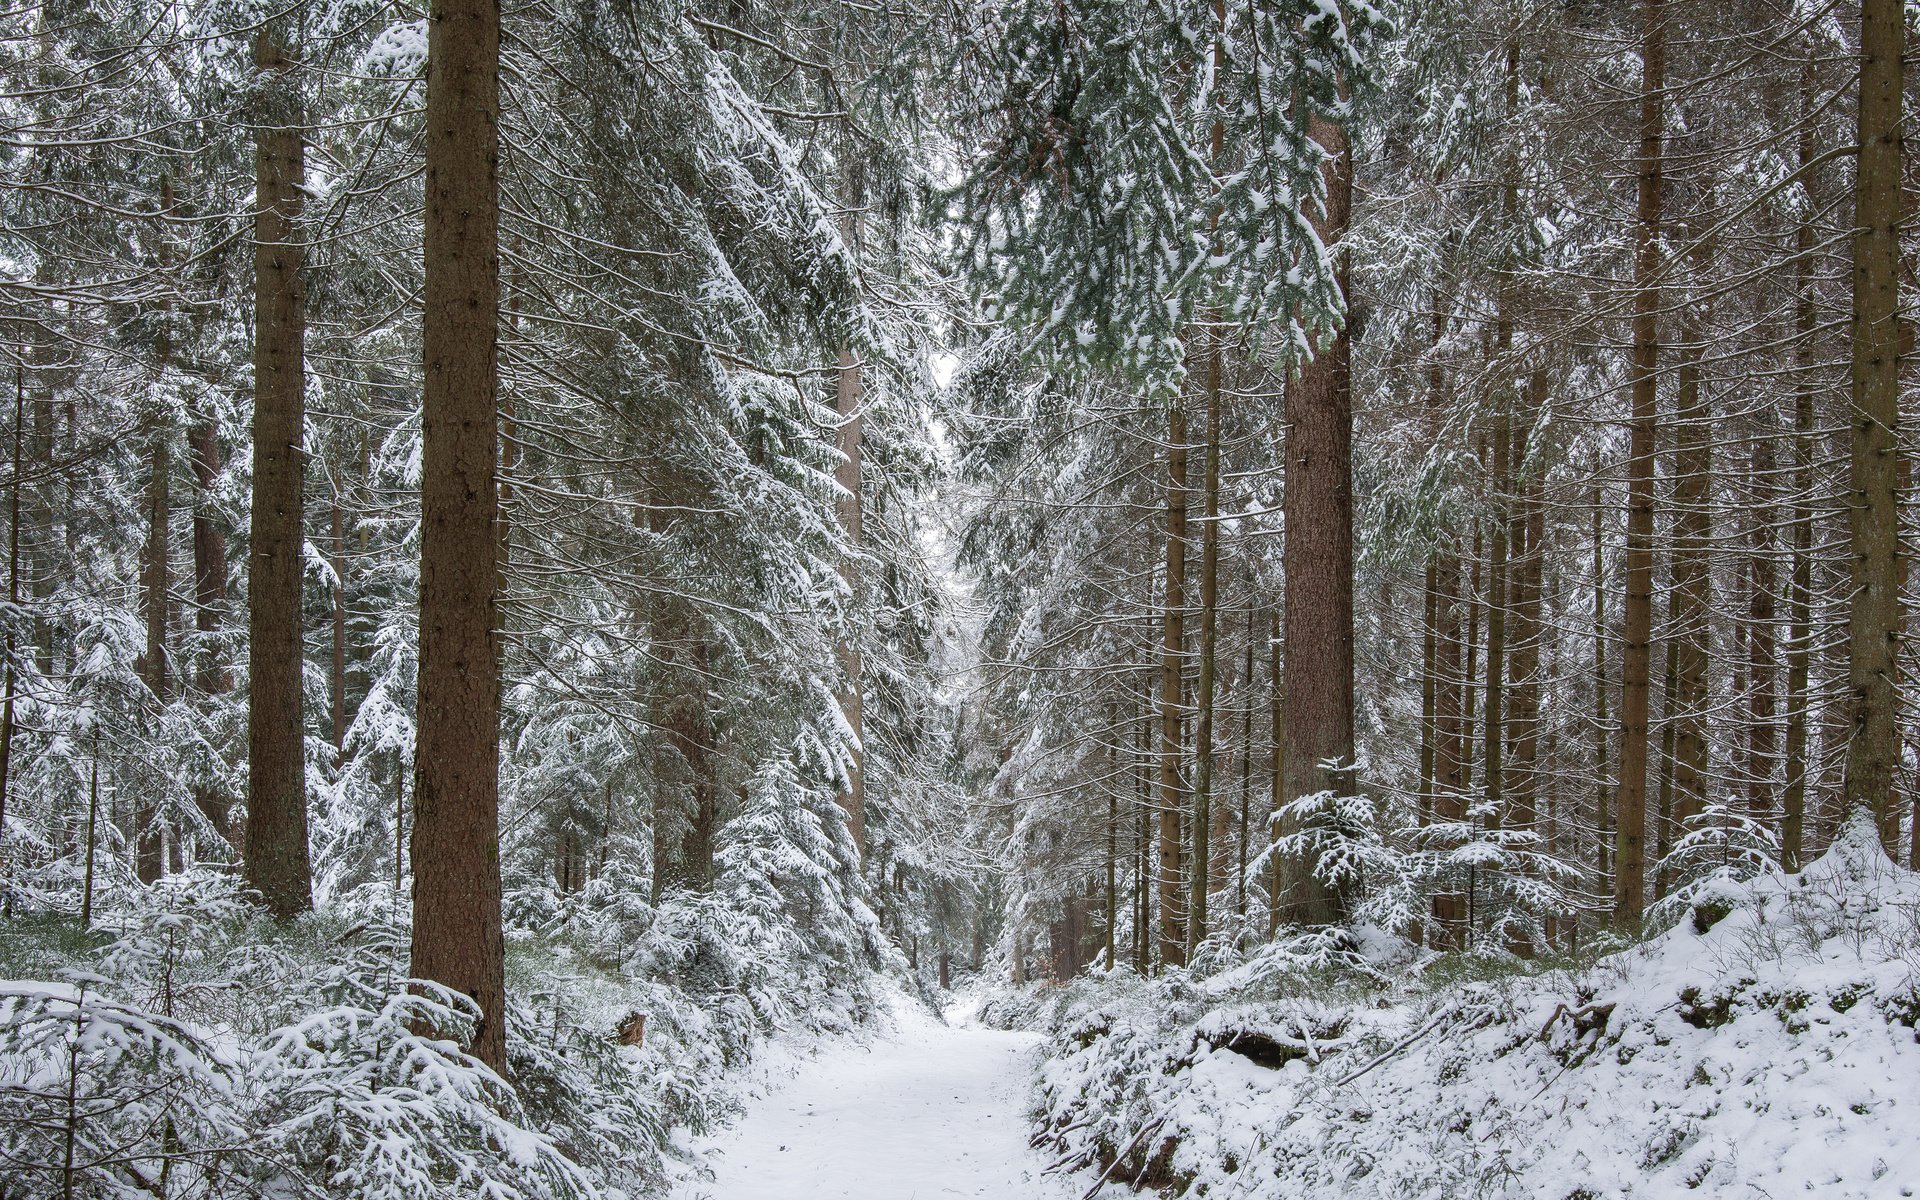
(1027, 599)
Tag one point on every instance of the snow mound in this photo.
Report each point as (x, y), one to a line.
(1764, 1046)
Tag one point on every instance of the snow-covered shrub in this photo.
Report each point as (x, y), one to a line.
(1764, 1044)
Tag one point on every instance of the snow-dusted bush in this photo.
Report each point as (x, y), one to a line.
(1765, 1044)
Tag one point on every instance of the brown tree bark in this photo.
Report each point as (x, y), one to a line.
(149, 861)
(1200, 872)
(277, 864)
(1763, 641)
(1173, 926)
(1319, 555)
(1630, 824)
(1692, 553)
(457, 938)
(1873, 616)
(850, 395)
(210, 600)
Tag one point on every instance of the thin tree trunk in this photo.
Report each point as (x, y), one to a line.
(1276, 764)
(1173, 946)
(850, 395)
(13, 604)
(1629, 883)
(1798, 700)
(277, 864)
(1762, 645)
(1602, 759)
(210, 597)
(1873, 617)
(457, 938)
(1200, 874)
(1692, 597)
(1450, 738)
(337, 667)
(149, 859)
(1522, 788)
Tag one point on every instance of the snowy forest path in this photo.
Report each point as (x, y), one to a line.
(928, 1112)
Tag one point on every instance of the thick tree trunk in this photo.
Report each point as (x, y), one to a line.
(1319, 556)
(1873, 617)
(277, 864)
(457, 937)
(1630, 859)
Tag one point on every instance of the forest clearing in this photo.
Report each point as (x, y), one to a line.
(1015, 599)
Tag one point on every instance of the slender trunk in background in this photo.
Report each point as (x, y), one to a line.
(1450, 738)
(1602, 760)
(337, 667)
(277, 864)
(149, 860)
(1143, 840)
(1319, 555)
(1692, 552)
(1276, 764)
(1470, 668)
(1873, 616)
(1763, 642)
(1493, 721)
(13, 604)
(1636, 635)
(1798, 699)
(1503, 518)
(1113, 840)
(209, 597)
(850, 394)
(1663, 768)
(457, 938)
(1173, 943)
(1246, 771)
(1429, 690)
(1200, 874)
(1201, 870)
(1528, 528)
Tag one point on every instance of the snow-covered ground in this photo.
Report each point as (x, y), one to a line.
(1764, 1047)
(925, 1112)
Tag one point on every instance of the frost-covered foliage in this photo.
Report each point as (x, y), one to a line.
(1764, 1045)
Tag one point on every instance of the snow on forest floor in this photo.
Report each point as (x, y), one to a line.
(1764, 1047)
(923, 1112)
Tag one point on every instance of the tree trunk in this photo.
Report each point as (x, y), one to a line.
(1200, 873)
(277, 864)
(1762, 645)
(1522, 788)
(1602, 760)
(1319, 555)
(1873, 617)
(850, 394)
(457, 937)
(149, 861)
(1173, 946)
(1630, 859)
(337, 667)
(209, 596)
(1692, 597)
